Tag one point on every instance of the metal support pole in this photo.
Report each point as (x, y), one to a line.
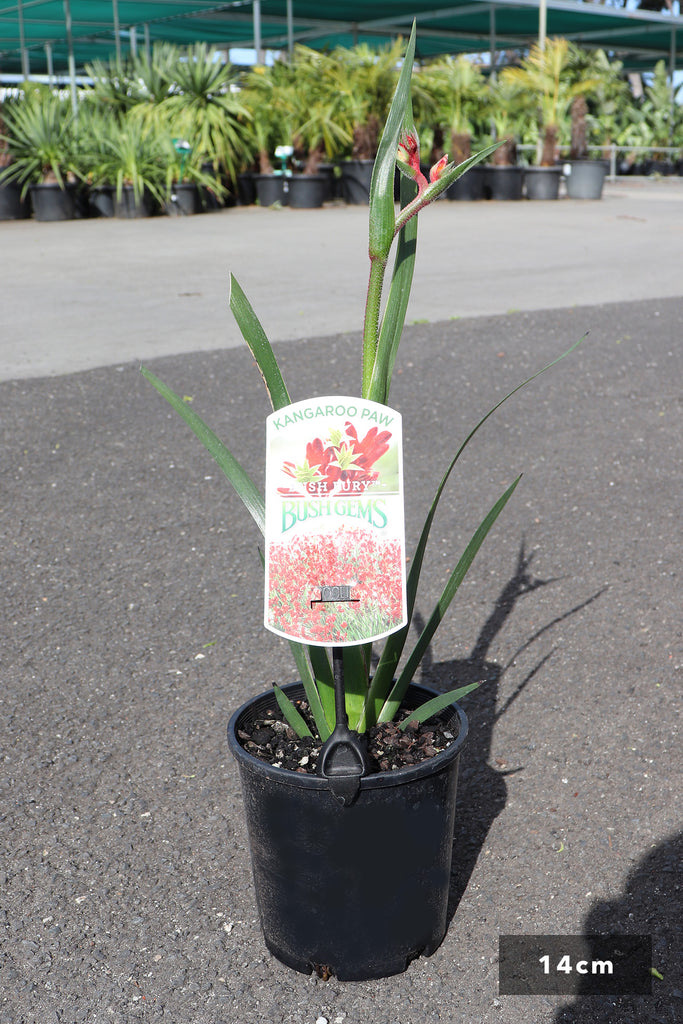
(148, 48)
(72, 63)
(133, 35)
(257, 31)
(542, 24)
(25, 68)
(117, 30)
(290, 29)
(492, 42)
(50, 64)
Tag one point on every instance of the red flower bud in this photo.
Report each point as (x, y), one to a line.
(438, 169)
(409, 155)
(409, 152)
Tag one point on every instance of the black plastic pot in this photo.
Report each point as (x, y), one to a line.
(333, 183)
(183, 200)
(12, 206)
(246, 191)
(469, 186)
(542, 182)
(52, 203)
(101, 201)
(356, 891)
(308, 191)
(585, 178)
(128, 206)
(271, 188)
(356, 176)
(503, 182)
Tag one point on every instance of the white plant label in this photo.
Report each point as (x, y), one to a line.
(335, 535)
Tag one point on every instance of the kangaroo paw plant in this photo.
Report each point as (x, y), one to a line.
(332, 849)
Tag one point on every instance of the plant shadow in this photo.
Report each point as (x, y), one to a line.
(482, 791)
(650, 904)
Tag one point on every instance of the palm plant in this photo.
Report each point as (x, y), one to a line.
(544, 74)
(139, 82)
(5, 154)
(315, 110)
(115, 85)
(661, 113)
(655, 122)
(610, 100)
(365, 80)
(40, 139)
(458, 88)
(506, 117)
(204, 108)
(265, 96)
(127, 153)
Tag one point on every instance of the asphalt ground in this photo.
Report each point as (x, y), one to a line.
(132, 606)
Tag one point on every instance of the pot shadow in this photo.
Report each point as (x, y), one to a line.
(650, 904)
(482, 792)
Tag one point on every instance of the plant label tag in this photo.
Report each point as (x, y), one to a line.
(335, 535)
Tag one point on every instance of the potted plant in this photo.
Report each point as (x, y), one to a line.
(205, 107)
(365, 81)
(12, 205)
(662, 115)
(189, 180)
(595, 77)
(91, 127)
(265, 98)
(132, 159)
(544, 76)
(351, 860)
(319, 132)
(611, 103)
(40, 140)
(503, 177)
(459, 90)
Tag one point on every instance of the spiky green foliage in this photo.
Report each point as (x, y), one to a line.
(41, 140)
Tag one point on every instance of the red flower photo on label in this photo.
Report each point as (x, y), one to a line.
(342, 463)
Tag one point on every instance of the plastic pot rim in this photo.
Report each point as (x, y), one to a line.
(378, 780)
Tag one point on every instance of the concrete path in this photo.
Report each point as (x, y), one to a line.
(93, 293)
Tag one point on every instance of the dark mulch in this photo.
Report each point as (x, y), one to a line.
(389, 747)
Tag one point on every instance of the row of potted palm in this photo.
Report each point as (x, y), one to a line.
(557, 101)
(318, 110)
(174, 125)
(147, 132)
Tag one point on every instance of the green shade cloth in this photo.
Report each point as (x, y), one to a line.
(638, 38)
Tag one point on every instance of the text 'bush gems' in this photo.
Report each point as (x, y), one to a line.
(331, 465)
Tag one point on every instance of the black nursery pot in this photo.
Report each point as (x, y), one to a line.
(52, 203)
(503, 182)
(356, 178)
(183, 200)
(129, 207)
(12, 206)
(271, 189)
(355, 891)
(308, 191)
(469, 186)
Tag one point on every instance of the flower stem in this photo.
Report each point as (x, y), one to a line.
(423, 199)
(378, 266)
